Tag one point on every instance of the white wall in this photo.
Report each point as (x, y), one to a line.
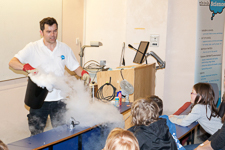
(72, 24)
(13, 124)
(115, 22)
(152, 16)
(180, 53)
(105, 21)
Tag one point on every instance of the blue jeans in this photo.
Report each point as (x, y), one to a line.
(37, 118)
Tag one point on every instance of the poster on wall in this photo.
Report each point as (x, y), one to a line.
(209, 42)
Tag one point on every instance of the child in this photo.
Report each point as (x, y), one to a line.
(151, 132)
(172, 127)
(216, 141)
(203, 110)
(120, 139)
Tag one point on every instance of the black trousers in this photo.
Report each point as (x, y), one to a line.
(37, 118)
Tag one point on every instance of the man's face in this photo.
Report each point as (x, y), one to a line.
(50, 33)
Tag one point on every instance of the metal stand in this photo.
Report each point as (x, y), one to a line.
(162, 64)
(81, 54)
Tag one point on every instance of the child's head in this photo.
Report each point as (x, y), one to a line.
(120, 139)
(144, 112)
(3, 146)
(158, 101)
(202, 93)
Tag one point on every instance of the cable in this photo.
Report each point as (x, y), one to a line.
(100, 95)
(91, 61)
(121, 74)
(122, 60)
(94, 65)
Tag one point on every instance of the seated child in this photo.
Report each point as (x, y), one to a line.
(172, 127)
(120, 139)
(151, 132)
(203, 110)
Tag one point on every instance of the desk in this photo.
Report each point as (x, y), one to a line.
(17, 147)
(126, 112)
(182, 131)
(61, 137)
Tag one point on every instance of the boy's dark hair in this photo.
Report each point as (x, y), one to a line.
(49, 21)
(158, 101)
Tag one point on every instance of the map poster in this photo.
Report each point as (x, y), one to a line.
(209, 42)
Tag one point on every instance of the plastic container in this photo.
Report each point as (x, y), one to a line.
(117, 101)
(120, 98)
(35, 95)
(118, 93)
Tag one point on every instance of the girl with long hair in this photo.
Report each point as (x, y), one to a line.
(203, 110)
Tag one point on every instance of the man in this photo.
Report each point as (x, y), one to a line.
(51, 55)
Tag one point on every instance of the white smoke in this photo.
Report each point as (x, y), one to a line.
(80, 104)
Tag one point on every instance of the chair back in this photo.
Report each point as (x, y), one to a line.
(185, 109)
(216, 92)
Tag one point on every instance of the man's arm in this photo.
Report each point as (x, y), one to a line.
(16, 64)
(78, 71)
(84, 74)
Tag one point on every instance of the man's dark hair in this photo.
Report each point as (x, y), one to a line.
(49, 21)
(158, 101)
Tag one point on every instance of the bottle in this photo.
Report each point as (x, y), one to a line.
(117, 101)
(120, 98)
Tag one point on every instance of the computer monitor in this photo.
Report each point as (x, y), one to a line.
(140, 55)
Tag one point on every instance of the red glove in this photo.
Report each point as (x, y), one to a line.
(86, 77)
(83, 72)
(28, 68)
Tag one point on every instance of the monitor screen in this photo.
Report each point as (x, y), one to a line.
(140, 55)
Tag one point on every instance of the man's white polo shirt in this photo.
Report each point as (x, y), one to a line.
(38, 55)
